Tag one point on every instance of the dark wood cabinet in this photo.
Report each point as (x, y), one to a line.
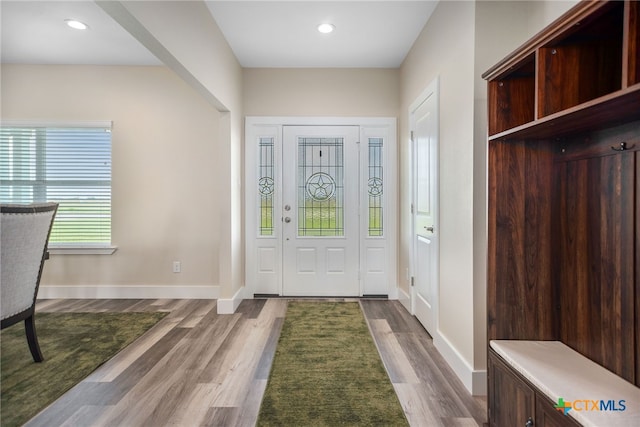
(514, 399)
(547, 416)
(632, 40)
(517, 403)
(564, 195)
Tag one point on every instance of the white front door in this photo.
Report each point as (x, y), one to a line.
(424, 126)
(333, 180)
(320, 211)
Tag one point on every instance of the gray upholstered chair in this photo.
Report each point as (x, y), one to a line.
(24, 232)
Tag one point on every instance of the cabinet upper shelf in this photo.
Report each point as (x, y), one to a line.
(567, 78)
(613, 109)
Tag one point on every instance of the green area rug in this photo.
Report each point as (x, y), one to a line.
(327, 371)
(73, 346)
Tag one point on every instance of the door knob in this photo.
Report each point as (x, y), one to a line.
(287, 219)
(429, 229)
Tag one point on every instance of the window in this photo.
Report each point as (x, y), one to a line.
(65, 163)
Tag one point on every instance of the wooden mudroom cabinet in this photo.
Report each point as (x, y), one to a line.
(564, 198)
(525, 406)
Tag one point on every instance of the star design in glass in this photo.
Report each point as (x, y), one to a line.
(265, 186)
(320, 186)
(375, 186)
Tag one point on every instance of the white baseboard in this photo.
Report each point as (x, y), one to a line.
(475, 381)
(230, 305)
(405, 300)
(129, 292)
(480, 383)
(393, 293)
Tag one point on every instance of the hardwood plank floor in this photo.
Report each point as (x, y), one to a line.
(198, 368)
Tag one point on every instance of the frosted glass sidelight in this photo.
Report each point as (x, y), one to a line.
(375, 187)
(266, 186)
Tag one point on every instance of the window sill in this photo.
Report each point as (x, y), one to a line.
(82, 250)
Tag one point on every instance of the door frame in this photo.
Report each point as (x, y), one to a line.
(432, 89)
(265, 277)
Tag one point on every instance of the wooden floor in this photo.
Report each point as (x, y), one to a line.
(197, 368)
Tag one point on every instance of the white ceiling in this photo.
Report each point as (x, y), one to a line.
(261, 33)
(34, 32)
(284, 34)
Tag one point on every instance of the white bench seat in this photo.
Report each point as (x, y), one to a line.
(558, 371)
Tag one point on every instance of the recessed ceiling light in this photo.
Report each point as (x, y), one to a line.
(76, 24)
(326, 28)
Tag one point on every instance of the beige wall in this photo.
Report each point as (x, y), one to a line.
(445, 49)
(542, 13)
(501, 27)
(321, 92)
(460, 41)
(195, 49)
(165, 174)
(197, 57)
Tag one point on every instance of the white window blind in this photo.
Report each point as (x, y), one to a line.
(65, 163)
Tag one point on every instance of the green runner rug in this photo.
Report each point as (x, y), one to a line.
(327, 371)
(73, 346)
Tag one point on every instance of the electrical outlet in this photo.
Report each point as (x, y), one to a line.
(177, 266)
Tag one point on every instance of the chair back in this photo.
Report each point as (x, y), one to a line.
(24, 232)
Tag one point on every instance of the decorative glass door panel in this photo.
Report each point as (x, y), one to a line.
(320, 187)
(320, 212)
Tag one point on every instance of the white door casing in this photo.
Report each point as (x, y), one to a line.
(423, 117)
(365, 257)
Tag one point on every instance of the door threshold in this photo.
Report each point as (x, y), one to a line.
(263, 296)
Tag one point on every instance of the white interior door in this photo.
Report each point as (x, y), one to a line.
(320, 211)
(425, 231)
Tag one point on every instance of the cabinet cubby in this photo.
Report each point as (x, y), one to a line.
(582, 64)
(512, 97)
(632, 17)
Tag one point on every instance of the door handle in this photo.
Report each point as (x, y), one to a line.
(429, 229)
(287, 219)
